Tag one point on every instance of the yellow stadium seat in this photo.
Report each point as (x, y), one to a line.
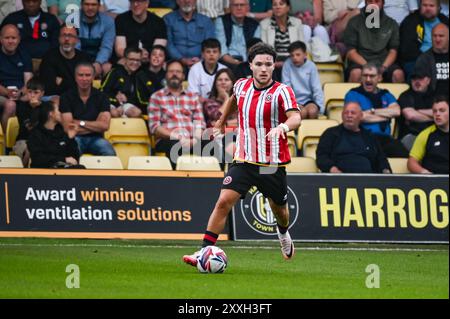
(2, 141)
(399, 165)
(302, 165)
(97, 84)
(292, 143)
(129, 137)
(157, 163)
(198, 163)
(12, 130)
(395, 88)
(335, 113)
(11, 161)
(101, 162)
(330, 72)
(160, 12)
(36, 65)
(309, 134)
(335, 92)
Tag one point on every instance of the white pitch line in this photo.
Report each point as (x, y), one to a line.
(237, 247)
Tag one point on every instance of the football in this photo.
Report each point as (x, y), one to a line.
(212, 259)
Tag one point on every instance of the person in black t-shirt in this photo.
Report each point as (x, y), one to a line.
(49, 145)
(86, 110)
(139, 28)
(38, 29)
(57, 69)
(349, 148)
(429, 154)
(436, 60)
(27, 116)
(416, 106)
(120, 86)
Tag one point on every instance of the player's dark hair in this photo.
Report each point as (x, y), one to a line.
(440, 99)
(35, 84)
(288, 2)
(44, 112)
(161, 48)
(261, 49)
(69, 26)
(297, 45)
(211, 44)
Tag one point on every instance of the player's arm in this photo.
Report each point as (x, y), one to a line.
(230, 108)
(292, 123)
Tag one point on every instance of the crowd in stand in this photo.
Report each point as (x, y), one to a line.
(52, 52)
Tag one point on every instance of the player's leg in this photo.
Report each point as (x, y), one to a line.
(227, 199)
(282, 215)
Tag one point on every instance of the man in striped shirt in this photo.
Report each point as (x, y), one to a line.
(267, 112)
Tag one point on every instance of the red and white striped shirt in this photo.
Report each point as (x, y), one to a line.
(259, 112)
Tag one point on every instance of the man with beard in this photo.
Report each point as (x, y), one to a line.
(186, 30)
(370, 42)
(57, 69)
(379, 108)
(38, 29)
(175, 116)
(97, 33)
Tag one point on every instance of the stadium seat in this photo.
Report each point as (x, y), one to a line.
(395, 88)
(2, 141)
(101, 162)
(399, 165)
(292, 143)
(157, 163)
(129, 137)
(36, 63)
(12, 130)
(302, 165)
(309, 134)
(11, 161)
(330, 72)
(197, 163)
(97, 84)
(160, 12)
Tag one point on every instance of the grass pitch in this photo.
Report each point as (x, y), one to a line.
(36, 268)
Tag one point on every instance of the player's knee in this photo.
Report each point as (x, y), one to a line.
(224, 205)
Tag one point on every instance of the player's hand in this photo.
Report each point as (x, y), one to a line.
(276, 133)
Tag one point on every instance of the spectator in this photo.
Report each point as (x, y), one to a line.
(57, 69)
(337, 14)
(302, 75)
(243, 69)
(27, 116)
(15, 71)
(349, 148)
(8, 6)
(234, 30)
(114, 7)
(38, 30)
(151, 79)
(213, 8)
(436, 60)
(281, 30)
(260, 9)
(186, 30)
(415, 33)
(222, 90)
(175, 116)
(139, 28)
(444, 7)
(97, 34)
(379, 108)
(400, 9)
(49, 145)
(416, 104)
(121, 88)
(429, 154)
(86, 110)
(201, 76)
(62, 8)
(311, 14)
(368, 44)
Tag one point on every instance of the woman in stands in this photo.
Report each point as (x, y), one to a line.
(212, 108)
(49, 145)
